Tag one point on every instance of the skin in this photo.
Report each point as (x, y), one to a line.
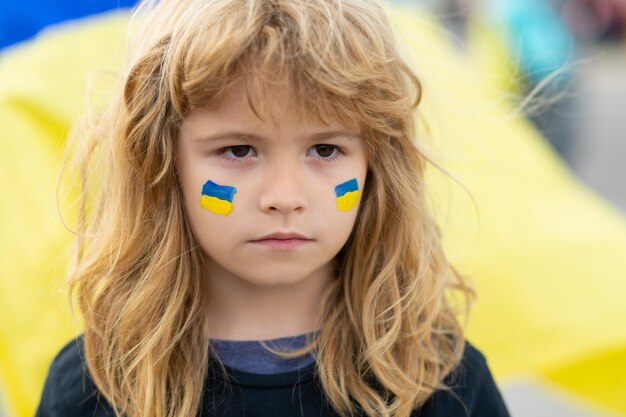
(285, 183)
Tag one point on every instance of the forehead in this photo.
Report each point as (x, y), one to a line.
(254, 104)
(259, 113)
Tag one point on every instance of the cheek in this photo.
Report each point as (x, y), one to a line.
(211, 209)
(347, 195)
(340, 211)
(216, 198)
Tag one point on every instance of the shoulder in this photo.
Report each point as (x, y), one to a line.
(69, 390)
(473, 368)
(473, 390)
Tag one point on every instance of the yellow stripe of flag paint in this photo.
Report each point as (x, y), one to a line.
(216, 205)
(348, 200)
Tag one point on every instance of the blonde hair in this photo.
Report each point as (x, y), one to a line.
(136, 278)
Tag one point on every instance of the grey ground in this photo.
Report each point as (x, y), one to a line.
(599, 158)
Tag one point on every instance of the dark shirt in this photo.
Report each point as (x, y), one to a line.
(70, 392)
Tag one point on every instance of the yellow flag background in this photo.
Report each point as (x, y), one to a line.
(546, 254)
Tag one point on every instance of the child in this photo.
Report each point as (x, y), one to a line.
(253, 236)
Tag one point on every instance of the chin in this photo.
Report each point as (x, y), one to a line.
(276, 276)
(272, 282)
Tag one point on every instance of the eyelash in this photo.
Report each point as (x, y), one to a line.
(222, 153)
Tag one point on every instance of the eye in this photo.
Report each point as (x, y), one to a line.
(327, 152)
(236, 153)
(241, 153)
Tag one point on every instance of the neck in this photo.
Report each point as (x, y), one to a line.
(240, 310)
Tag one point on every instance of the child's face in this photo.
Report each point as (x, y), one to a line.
(284, 181)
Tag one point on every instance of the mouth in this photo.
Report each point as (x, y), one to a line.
(284, 236)
(281, 243)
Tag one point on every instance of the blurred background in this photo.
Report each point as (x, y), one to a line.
(525, 102)
(572, 54)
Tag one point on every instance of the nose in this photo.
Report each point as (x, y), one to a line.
(282, 190)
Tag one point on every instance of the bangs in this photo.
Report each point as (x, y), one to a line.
(306, 99)
(320, 58)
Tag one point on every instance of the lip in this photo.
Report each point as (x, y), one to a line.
(281, 243)
(283, 236)
(282, 240)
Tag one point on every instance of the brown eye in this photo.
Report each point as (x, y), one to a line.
(325, 150)
(240, 151)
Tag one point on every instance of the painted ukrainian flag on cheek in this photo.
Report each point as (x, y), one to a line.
(217, 198)
(347, 194)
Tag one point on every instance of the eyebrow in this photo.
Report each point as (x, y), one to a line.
(256, 138)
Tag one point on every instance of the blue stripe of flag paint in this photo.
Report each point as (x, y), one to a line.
(223, 192)
(346, 187)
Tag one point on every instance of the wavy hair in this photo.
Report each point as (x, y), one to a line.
(135, 279)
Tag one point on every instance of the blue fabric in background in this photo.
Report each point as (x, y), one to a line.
(541, 41)
(21, 20)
